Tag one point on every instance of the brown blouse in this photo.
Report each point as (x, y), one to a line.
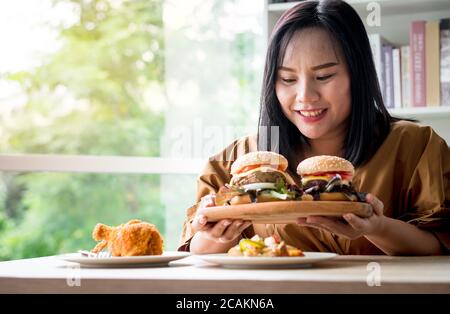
(410, 174)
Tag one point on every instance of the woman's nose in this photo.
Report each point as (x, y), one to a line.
(306, 93)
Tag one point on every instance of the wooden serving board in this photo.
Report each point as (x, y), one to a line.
(286, 211)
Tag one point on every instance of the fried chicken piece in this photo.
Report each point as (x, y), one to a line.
(131, 239)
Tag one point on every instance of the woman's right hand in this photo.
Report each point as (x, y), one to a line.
(215, 236)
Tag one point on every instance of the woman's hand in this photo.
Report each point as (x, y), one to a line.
(353, 226)
(224, 232)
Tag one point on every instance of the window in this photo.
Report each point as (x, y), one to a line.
(108, 109)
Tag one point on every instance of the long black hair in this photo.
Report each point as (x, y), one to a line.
(369, 121)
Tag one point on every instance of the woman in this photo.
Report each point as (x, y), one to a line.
(320, 88)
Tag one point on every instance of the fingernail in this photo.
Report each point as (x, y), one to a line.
(226, 223)
(202, 219)
(238, 224)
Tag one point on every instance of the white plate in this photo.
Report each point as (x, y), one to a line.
(266, 262)
(125, 261)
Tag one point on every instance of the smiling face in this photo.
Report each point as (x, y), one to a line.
(313, 86)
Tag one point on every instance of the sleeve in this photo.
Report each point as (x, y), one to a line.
(429, 190)
(208, 182)
(215, 174)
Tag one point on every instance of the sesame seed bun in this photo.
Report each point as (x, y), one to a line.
(324, 163)
(257, 158)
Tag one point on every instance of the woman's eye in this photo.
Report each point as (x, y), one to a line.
(285, 80)
(325, 77)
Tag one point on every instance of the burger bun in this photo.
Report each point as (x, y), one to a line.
(324, 163)
(259, 158)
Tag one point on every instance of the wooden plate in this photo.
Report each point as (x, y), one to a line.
(286, 211)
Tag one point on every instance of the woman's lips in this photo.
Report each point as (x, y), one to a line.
(311, 115)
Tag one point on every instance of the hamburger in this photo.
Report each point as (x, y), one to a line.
(258, 177)
(328, 178)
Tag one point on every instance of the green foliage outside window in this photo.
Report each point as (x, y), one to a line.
(88, 98)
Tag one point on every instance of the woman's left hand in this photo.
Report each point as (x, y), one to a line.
(355, 226)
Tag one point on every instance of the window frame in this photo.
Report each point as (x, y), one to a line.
(99, 164)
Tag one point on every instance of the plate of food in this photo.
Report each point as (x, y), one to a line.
(259, 190)
(101, 260)
(130, 244)
(258, 252)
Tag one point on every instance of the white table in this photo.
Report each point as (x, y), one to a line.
(344, 274)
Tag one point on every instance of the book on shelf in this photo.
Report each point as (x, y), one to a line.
(388, 77)
(406, 76)
(397, 77)
(417, 59)
(376, 44)
(432, 64)
(444, 26)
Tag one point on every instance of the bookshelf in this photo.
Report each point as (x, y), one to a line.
(396, 16)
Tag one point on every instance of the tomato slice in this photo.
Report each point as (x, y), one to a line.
(248, 168)
(344, 174)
